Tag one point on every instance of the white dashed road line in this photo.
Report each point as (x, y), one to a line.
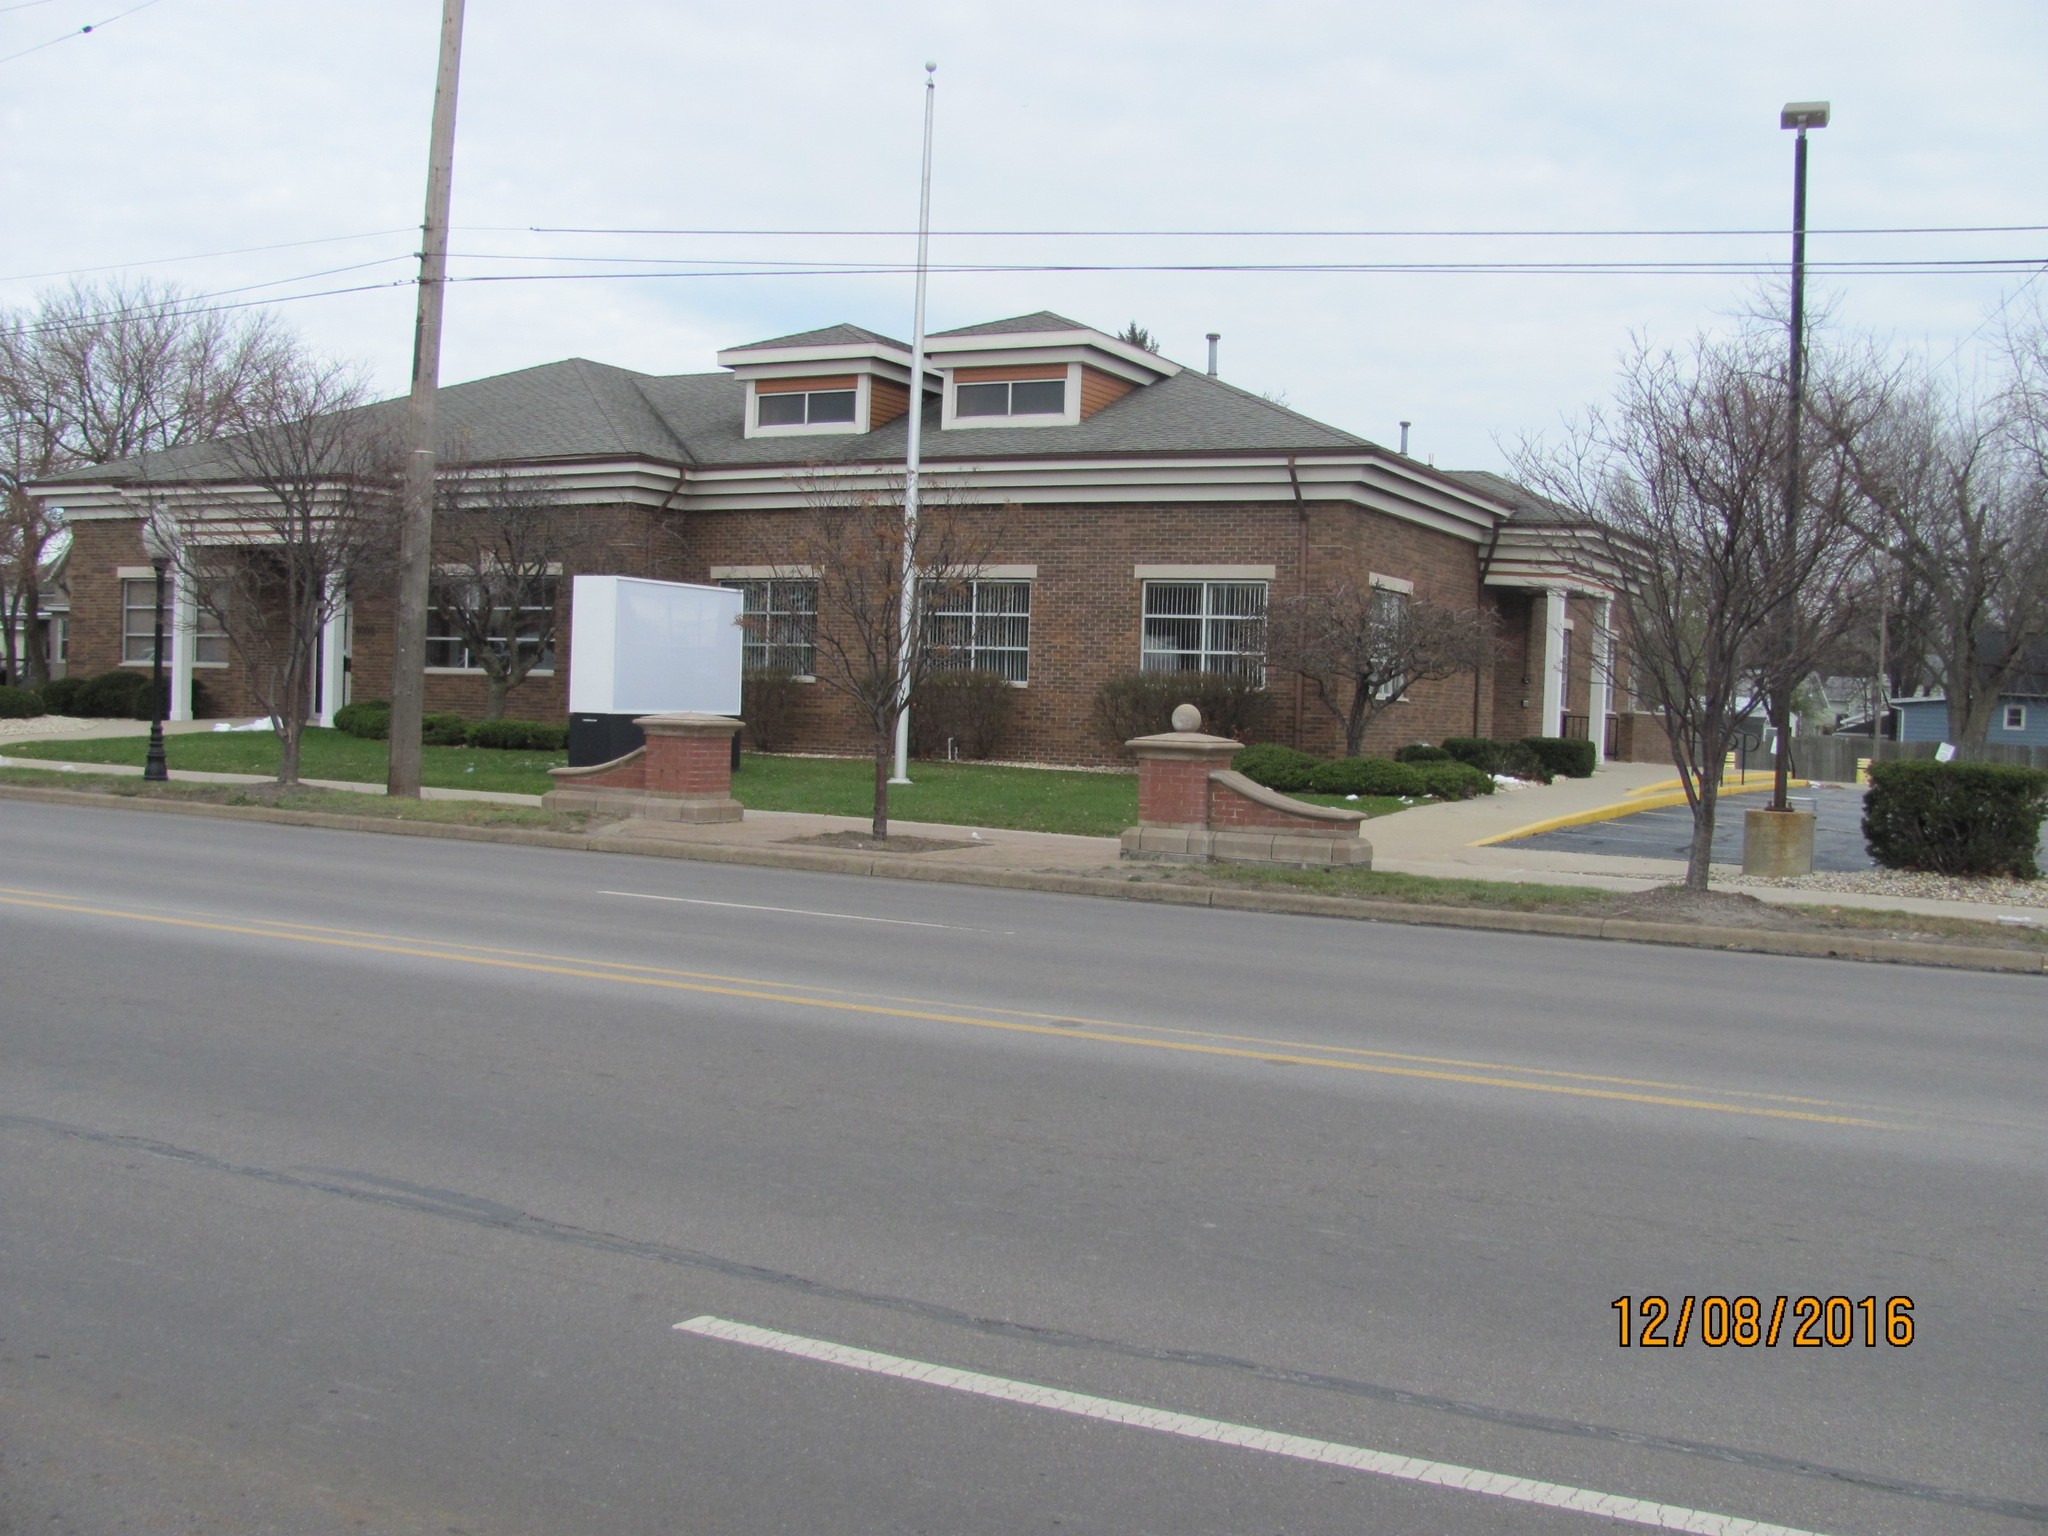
(1520, 1490)
(849, 917)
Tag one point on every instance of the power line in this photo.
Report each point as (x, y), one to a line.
(239, 250)
(91, 26)
(1296, 234)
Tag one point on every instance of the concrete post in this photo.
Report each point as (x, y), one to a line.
(1602, 691)
(184, 640)
(1553, 663)
(333, 655)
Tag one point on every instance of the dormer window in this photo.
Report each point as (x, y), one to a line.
(804, 407)
(1014, 397)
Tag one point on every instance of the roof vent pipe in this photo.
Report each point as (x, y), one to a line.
(1404, 439)
(1214, 337)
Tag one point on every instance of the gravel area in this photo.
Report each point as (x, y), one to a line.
(44, 725)
(1995, 890)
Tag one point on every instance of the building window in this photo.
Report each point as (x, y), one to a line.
(2015, 717)
(138, 620)
(1021, 397)
(525, 625)
(803, 407)
(1389, 614)
(781, 619)
(980, 625)
(1206, 626)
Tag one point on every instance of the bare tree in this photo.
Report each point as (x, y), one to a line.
(502, 543)
(1956, 493)
(850, 539)
(101, 372)
(1683, 479)
(309, 509)
(1362, 649)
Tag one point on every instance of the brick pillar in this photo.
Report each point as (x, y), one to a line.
(1173, 776)
(689, 754)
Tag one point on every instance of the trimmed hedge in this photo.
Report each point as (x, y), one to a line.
(1516, 759)
(1134, 704)
(1368, 776)
(60, 695)
(114, 696)
(370, 720)
(519, 736)
(769, 700)
(1422, 752)
(20, 703)
(1956, 818)
(1562, 754)
(1277, 767)
(1454, 781)
(969, 707)
(443, 730)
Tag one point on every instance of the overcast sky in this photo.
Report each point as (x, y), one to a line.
(193, 127)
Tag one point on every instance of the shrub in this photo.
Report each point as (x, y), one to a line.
(1956, 818)
(1423, 752)
(1562, 754)
(1142, 704)
(115, 696)
(1277, 767)
(1367, 776)
(20, 703)
(370, 719)
(1454, 781)
(516, 735)
(442, 730)
(768, 704)
(969, 708)
(60, 695)
(1518, 760)
(1476, 751)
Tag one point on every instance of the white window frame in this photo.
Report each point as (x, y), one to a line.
(862, 398)
(951, 419)
(468, 668)
(980, 620)
(209, 638)
(747, 581)
(1392, 589)
(2015, 717)
(1236, 661)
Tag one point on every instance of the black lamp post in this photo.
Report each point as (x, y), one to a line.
(156, 543)
(1797, 116)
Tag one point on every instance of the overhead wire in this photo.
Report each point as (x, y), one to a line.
(91, 26)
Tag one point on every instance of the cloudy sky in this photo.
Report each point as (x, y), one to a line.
(260, 149)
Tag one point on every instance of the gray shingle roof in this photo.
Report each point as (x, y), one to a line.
(1527, 506)
(1042, 320)
(830, 336)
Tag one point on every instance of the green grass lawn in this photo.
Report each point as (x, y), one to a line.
(322, 755)
(957, 794)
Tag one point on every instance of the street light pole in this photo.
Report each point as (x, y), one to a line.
(158, 547)
(906, 608)
(1798, 116)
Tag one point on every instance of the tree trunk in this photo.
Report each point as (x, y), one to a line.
(496, 686)
(289, 731)
(885, 746)
(1701, 855)
(1355, 724)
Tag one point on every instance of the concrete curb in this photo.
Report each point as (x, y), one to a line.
(1291, 903)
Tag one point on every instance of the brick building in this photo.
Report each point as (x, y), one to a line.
(1148, 511)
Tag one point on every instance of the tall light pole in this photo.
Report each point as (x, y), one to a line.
(1798, 116)
(416, 535)
(157, 544)
(906, 617)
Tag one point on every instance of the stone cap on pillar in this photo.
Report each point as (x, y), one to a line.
(688, 724)
(1186, 740)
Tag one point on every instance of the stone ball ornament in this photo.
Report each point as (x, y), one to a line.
(1185, 718)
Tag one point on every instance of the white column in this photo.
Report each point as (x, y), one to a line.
(1602, 692)
(184, 631)
(333, 653)
(1553, 663)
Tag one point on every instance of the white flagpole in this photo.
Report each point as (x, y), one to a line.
(907, 614)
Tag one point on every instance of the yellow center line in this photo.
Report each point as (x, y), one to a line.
(774, 992)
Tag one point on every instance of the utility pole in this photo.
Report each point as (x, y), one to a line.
(416, 538)
(906, 617)
(1798, 115)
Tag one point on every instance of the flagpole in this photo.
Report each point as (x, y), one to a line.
(907, 611)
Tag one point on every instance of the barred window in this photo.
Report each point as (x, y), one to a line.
(523, 625)
(1389, 610)
(1206, 626)
(780, 616)
(980, 625)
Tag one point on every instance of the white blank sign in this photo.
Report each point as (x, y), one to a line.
(653, 647)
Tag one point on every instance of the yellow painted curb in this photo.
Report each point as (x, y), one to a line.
(1648, 802)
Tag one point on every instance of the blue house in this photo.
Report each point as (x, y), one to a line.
(2021, 719)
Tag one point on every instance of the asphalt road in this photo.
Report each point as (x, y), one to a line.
(352, 1183)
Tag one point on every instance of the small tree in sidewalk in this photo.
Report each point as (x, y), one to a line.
(309, 510)
(850, 539)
